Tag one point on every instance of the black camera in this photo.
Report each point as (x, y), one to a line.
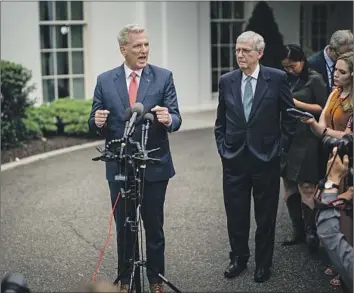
(14, 283)
(344, 145)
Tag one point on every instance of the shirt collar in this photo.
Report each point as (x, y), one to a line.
(329, 61)
(253, 75)
(128, 71)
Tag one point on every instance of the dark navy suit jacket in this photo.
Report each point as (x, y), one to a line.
(318, 63)
(269, 129)
(156, 87)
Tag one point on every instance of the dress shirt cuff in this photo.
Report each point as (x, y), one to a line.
(169, 125)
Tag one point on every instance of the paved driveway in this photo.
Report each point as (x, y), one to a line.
(55, 214)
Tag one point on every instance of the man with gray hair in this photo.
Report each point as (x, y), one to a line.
(252, 130)
(116, 90)
(323, 62)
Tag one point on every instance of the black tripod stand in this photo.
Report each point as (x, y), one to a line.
(132, 158)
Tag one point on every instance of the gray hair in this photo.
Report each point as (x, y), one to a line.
(258, 41)
(123, 35)
(342, 38)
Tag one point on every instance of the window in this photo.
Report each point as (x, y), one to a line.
(62, 49)
(227, 19)
(301, 25)
(319, 26)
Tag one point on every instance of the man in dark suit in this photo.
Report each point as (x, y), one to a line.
(116, 90)
(252, 128)
(324, 61)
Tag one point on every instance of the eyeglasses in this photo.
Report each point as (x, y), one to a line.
(243, 51)
(335, 51)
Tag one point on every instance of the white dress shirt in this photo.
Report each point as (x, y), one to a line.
(254, 76)
(128, 78)
(329, 66)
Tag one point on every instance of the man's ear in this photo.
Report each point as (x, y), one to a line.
(123, 51)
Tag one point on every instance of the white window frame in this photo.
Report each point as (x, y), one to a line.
(219, 20)
(69, 50)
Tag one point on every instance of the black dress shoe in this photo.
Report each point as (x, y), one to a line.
(261, 275)
(234, 269)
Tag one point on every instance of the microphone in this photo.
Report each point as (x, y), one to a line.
(127, 114)
(14, 283)
(149, 118)
(137, 110)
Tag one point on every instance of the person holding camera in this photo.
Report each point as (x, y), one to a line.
(339, 251)
(336, 119)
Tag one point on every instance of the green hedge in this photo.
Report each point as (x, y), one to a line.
(21, 120)
(61, 117)
(15, 89)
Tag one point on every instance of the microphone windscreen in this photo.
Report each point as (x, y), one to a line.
(127, 114)
(149, 117)
(138, 108)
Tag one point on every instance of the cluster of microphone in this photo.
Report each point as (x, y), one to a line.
(133, 117)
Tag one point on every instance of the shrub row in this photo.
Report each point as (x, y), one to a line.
(22, 121)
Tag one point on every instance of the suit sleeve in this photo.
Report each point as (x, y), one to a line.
(171, 103)
(288, 123)
(319, 91)
(220, 122)
(97, 104)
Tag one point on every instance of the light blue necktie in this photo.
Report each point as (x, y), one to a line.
(248, 97)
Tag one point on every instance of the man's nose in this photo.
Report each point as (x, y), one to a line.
(144, 48)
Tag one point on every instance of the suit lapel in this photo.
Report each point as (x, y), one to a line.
(236, 91)
(261, 88)
(145, 81)
(121, 86)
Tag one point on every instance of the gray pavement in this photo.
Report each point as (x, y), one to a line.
(55, 216)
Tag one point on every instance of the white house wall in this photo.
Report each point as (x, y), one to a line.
(287, 16)
(20, 39)
(179, 40)
(179, 34)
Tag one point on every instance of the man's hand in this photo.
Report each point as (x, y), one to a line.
(101, 117)
(162, 114)
(339, 169)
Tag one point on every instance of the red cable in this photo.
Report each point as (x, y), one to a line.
(93, 279)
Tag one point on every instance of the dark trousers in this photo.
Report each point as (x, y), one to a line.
(239, 178)
(152, 214)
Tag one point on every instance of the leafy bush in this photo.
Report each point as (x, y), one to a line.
(14, 102)
(61, 117)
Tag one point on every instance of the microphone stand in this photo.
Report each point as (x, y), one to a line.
(135, 182)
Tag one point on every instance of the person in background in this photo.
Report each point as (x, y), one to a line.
(336, 120)
(300, 168)
(340, 252)
(323, 62)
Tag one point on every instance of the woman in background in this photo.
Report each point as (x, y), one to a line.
(336, 121)
(300, 170)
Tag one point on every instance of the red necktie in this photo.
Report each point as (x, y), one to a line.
(133, 89)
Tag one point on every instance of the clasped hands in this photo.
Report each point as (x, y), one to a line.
(162, 115)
